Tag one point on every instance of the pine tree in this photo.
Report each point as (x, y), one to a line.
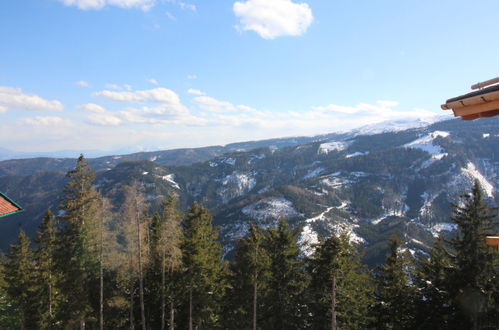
(435, 303)
(249, 278)
(204, 269)
(46, 273)
(395, 292)
(285, 306)
(340, 291)
(20, 280)
(77, 255)
(473, 279)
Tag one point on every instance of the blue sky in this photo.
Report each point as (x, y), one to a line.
(157, 74)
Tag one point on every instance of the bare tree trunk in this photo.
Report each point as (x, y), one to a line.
(82, 323)
(50, 296)
(132, 321)
(141, 284)
(172, 315)
(190, 308)
(163, 291)
(255, 292)
(333, 303)
(101, 275)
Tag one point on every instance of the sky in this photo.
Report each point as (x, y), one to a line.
(160, 74)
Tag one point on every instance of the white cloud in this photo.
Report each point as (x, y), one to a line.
(3, 109)
(211, 104)
(183, 5)
(92, 107)
(15, 98)
(100, 4)
(192, 77)
(113, 86)
(100, 116)
(170, 16)
(195, 91)
(156, 95)
(41, 121)
(152, 81)
(82, 83)
(273, 18)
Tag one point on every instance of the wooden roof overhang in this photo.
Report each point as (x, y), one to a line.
(492, 240)
(482, 103)
(8, 206)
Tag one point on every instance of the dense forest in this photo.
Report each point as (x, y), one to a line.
(94, 265)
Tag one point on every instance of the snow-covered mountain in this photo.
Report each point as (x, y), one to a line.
(371, 186)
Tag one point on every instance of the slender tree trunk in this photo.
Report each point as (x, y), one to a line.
(163, 307)
(141, 284)
(255, 288)
(82, 323)
(101, 275)
(50, 296)
(132, 321)
(255, 293)
(190, 308)
(333, 303)
(172, 315)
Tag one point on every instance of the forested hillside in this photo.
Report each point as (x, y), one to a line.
(372, 186)
(102, 266)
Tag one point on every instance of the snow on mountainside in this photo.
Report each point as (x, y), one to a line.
(270, 209)
(398, 125)
(368, 186)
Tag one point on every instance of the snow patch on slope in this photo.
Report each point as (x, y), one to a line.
(356, 154)
(235, 185)
(425, 143)
(171, 179)
(473, 174)
(327, 147)
(442, 226)
(314, 173)
(270, 208)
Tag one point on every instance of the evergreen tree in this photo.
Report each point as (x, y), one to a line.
(285, 305)
(77, 254)
(473, 279)
(204, 269)
(20, 280)
(340, 291)
(249, 278)
(46, 273)
(434, 301)
(9, 311)
(395, 291)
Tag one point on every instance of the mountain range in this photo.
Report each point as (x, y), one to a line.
(399, 178)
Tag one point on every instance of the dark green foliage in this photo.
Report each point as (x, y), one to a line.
(77, 254)
(19, 277)
(473, 277)
(336, 257)
(435, 303)
(9, 311)
(46, 275)
(249, 281)
(395, 293)
(285, 303)
(204, 269)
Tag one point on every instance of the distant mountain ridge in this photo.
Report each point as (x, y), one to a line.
(369, 185)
